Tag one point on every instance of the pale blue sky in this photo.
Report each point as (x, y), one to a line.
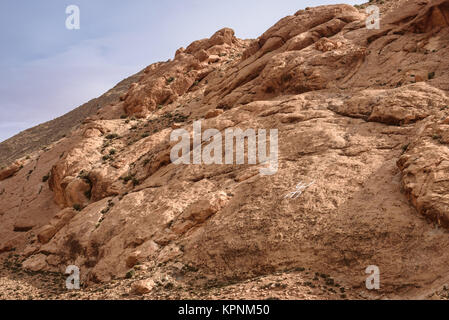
(47, 70)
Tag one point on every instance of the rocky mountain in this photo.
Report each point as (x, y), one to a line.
(362, 117)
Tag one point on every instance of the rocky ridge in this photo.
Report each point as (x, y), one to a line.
(362, 113)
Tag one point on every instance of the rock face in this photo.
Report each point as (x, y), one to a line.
(163, 83)
(8, 172)
(364, 114)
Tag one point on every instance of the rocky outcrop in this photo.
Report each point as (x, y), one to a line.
(9, 171)
(424, 166)
(284, 61)
(163, 83)
(362, 117)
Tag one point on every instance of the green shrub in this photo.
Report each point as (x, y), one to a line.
(130, 274)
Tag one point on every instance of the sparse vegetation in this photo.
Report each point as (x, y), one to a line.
(170, 80)
(130, 274)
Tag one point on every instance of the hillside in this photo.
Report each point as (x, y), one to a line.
(40, 136)
(362, 118)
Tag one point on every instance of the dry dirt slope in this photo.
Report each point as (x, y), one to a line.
(361, 113)
(40, 136)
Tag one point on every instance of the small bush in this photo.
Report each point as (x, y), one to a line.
(170, 80)
(45, 178)
(112, 152)
(127, 178)
(130, 274)
(77, 207)
(145, 135)
(431, 75)
(123, 116)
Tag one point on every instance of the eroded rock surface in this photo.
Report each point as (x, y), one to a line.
(363, 114)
